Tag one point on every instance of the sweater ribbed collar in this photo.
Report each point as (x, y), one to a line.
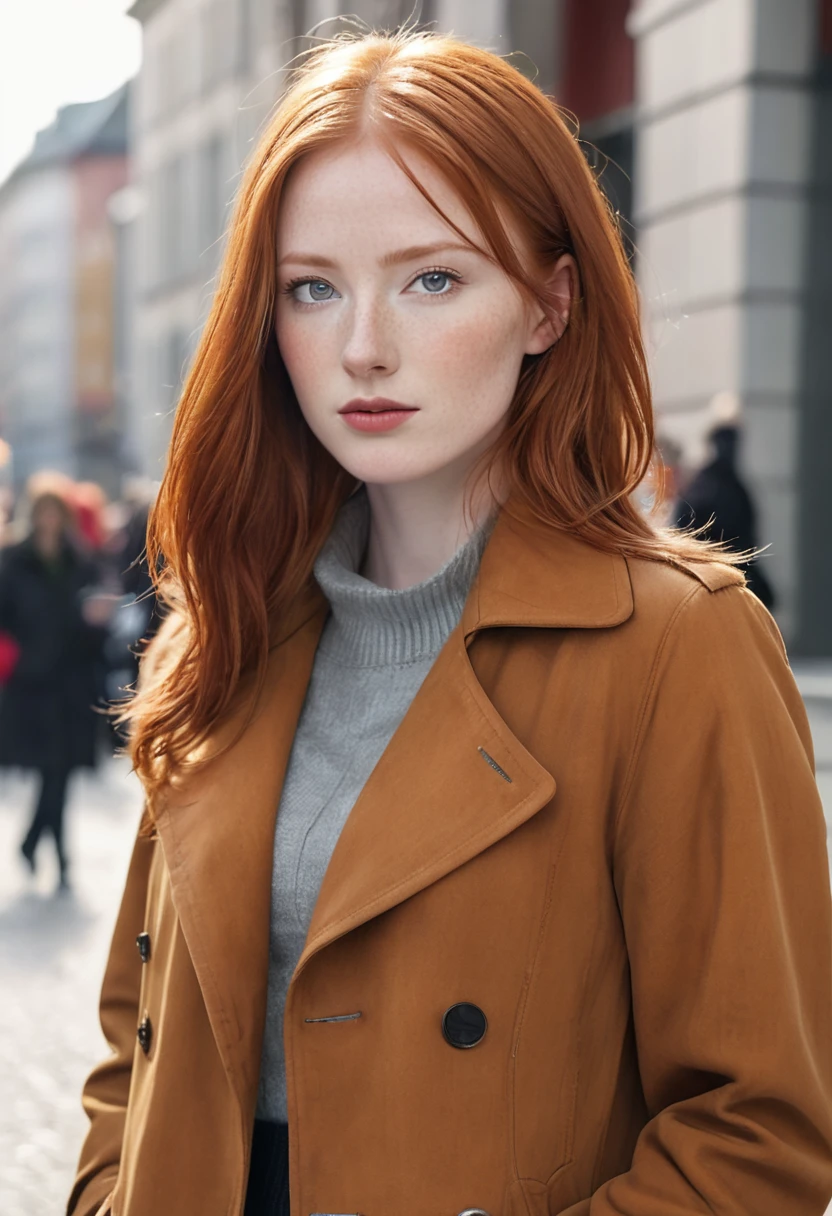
(372, 626)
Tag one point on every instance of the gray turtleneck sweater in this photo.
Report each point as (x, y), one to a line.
(376, 648)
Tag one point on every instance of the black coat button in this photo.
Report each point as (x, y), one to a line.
(464, 1025)
(143, 942)
(145, 1034)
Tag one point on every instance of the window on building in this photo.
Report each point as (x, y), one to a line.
(148, 90)
(172, 227)
(149, 374)
(150, 235)
(214, 191)
(218, 42)
(187, 57)
(243, 36)
(166, 81)
(207, 47)
(176, 359)
(228, 31)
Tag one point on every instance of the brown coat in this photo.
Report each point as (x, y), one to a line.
(598, 822)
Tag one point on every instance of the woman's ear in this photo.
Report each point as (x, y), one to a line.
(559, 288)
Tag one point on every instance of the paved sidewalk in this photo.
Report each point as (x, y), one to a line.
(52, 953)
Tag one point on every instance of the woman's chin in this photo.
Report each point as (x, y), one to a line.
(387, 468)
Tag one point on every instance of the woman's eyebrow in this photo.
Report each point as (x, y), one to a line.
(411, 254)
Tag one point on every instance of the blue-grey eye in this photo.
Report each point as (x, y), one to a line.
(318, 290)
(435, 281)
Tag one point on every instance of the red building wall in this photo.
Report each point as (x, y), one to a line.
(826, 27)
(598, 58)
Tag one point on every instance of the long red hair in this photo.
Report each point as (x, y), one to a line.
(249, 494)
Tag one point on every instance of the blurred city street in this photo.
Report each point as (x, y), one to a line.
(52, 953)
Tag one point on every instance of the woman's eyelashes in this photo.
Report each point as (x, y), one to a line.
(436, 282)
(319, 291)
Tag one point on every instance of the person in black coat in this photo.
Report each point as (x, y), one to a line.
(47, 720)
(717, 501)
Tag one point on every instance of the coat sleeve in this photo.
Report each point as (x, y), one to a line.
(108, 1085)
(107, 1088)
(722, 877)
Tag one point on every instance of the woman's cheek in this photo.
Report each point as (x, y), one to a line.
(456, 349)
(477, 350)
(300, 349)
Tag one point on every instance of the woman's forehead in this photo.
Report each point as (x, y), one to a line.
(356, 194)
(360, 187)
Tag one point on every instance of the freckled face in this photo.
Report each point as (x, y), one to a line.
(380, 299)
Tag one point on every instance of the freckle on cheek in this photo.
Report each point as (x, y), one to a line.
(476, 344)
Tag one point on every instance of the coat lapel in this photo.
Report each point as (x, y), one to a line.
(452, 781)
(535, 576)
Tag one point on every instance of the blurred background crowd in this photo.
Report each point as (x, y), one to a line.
(76, 604)
(709, 123)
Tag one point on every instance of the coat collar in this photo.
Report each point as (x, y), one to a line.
(537, 576)
(217, 824)
(531, 575)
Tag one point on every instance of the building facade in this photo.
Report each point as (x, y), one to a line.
(707, 121)
(211, 70)
(732, 213)
(57, 399)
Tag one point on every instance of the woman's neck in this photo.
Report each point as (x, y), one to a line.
(417, 526)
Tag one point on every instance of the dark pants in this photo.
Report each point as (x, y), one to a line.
(268, 1178)
(49, 813)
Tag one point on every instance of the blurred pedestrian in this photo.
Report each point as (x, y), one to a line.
(717, 501)
(44, 481)
(89, 502)
(47, 720)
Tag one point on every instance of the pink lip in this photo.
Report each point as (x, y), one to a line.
(375, 414)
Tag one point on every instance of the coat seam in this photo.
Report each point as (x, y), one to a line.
(640, 733)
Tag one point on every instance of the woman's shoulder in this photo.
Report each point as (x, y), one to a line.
(702, 613)
(662, 587)
(677, 578)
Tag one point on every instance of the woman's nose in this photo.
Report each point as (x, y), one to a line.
(370, 345)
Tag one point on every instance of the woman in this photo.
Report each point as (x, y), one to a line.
(47, 720)
(483, 869)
